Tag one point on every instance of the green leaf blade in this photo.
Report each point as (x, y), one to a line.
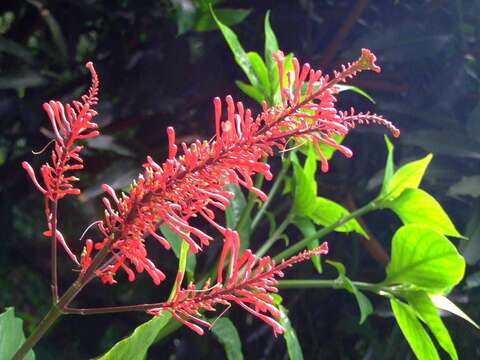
(227, 334)
(293, 344)
(11, 335)
(408, 176)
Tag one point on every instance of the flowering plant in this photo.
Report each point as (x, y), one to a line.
(195, 185)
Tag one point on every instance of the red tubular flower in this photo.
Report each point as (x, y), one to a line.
(248, 283)
(193, 184)
(70, 124)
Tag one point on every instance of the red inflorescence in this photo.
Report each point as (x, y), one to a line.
(193, 184)
(248, 283)
(70, 124)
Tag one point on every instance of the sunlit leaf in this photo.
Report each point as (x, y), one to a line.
(135, 346)
(424, 258)
(261, 72)
(342, 87)
(444, 303)
(249, 90)
(11, 335)
(415, 206)
(176, 241)
(206, 22)
(413, 331)
(423, 305)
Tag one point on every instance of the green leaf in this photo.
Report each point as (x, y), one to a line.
(227, 335)
(13, 48)
(327, 212)
(185, 14)
(327, 150)
(308, 229)
(415, 206)
(135, 346)
(291, 338)
(176, 242)
(261, 72)
(363, 302)
(387, 178)
(305, 189)
(249, 90)
(355, 89)
(234, 212)
(443, 303)
(206, 22)
(413, 331)
(408, 176)
(11, 335)
(426, 310)
(424, 258)
(239, 53)
(271, 46)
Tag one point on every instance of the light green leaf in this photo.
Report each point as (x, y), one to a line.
(227, 334)
(415, 206)
(271, 46)
(249, 90)
(424, 258)
(176, 242)
(387, 178)
(305, 189)
(205, 21)
(444, 303)
(413, 331)
(261, 72)
(408, 176)
(11, 335)
(135, 346)
(234, 212)
(327, 212)
(355, 89)
(308, 229)
(293, 345)
(426, 310)
(239, 53)
(363, 302)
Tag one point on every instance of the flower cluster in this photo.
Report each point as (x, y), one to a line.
(70, 124)
(193, 184)
(248, 283)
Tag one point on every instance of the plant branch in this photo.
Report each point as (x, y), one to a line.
(275, 236)
(332, 284)
(371, 206)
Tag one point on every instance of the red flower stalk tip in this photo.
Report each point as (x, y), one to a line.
(248, 282)
(193, 184)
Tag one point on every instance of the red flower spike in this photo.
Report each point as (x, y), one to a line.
(247, 285)
(70, 124)
(193, 183)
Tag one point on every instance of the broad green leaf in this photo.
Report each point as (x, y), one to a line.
(424, 258)
(254, 93)
(308, 229)
(135, 346)
(426, 310)
(234, 212)
(327, 212)
(271, 46)
(227, 334)
(363, 302)
(293, 345)
(261, 72)
(444, 303)
(413, 331)
(387, 178)
(205, 21)
(415, 206)
(305, 190)
(176, 242)
(408, 176)
(239, 53)
(11, 335)
(355, 89)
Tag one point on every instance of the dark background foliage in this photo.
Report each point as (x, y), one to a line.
(152, 77)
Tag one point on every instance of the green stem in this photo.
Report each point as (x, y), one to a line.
(302, 244)
(182, 265)
(271, 194)
(275, 236)
(250, 203)
(331, 284)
